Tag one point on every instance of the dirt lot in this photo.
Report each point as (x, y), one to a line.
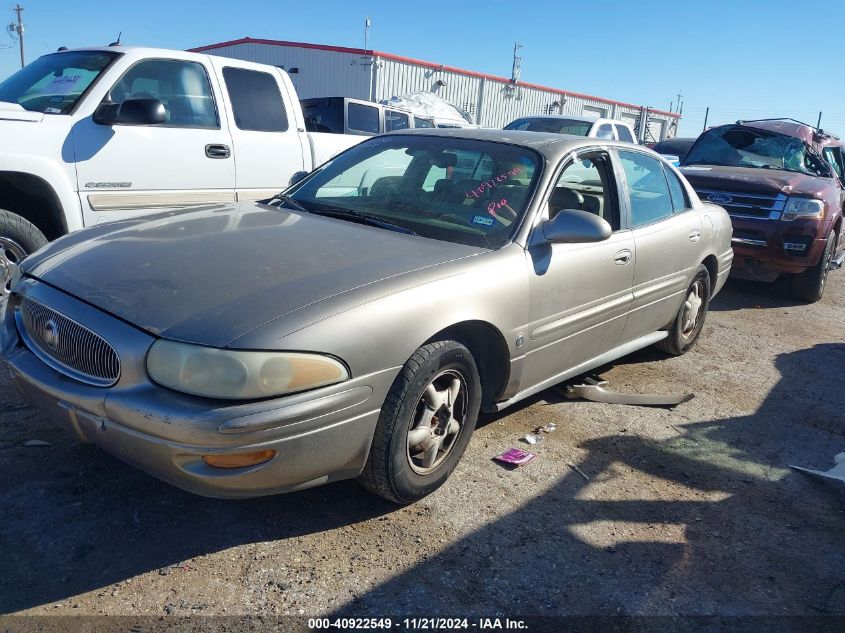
(691, 511)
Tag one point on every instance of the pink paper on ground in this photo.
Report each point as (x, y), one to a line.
(515, 456)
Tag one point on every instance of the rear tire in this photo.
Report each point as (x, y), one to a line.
(688, 323)
(18, 238)
(425, 424)
(809, 285)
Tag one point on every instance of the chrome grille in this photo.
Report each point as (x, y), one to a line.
(746, 205)
(66, 345)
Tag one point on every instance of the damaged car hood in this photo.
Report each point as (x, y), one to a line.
(210, 275)
(754, 180)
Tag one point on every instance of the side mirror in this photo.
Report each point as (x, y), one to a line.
(575, 227)
(297, 177)
(131, 112)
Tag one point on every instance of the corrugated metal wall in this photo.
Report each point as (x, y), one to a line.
(492, 103)
(321, 73)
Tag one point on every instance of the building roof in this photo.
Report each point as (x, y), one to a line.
(419, 62)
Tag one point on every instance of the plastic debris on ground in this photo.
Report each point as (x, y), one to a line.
(37, 443)
(515, 457)
(837, 472)
(532, 438)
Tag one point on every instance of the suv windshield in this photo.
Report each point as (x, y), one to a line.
(734, 146)
(555, 126)
(456, 190)
(53, 84)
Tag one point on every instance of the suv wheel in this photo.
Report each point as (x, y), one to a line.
(809, 285)
(18, 238)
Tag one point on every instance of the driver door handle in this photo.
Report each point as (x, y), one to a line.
(694, 235)
(218, 151)
(623, 257)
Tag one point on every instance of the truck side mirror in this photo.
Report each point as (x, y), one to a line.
(143, 111)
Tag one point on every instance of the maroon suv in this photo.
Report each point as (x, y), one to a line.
(781, 181)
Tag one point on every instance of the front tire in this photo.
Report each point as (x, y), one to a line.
(425, 424)
(18, 238)
(688, 323)
(809, 285)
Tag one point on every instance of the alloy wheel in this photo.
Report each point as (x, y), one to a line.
(438, 421)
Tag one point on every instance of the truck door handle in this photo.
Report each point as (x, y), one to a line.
(694, 235)
(218, 151)
(622, 257)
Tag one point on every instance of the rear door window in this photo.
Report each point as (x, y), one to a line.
(362, 118)
(256, 101)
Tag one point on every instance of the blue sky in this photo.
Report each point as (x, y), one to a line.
(744, 59)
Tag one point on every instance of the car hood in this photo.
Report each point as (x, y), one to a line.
(210, 275)
(753, 180)
(14, 112)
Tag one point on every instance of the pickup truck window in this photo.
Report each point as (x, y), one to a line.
(395, 121)
(256, 101)
(624, 134)
(181, 86)
(647, 188)
(418, 122)
(363, 118)
(54, 84)
(734, 146)
(605, 131)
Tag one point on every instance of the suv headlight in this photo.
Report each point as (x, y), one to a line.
(803, 208)
(239, 375)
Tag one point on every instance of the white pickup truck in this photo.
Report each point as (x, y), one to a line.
(100, 134)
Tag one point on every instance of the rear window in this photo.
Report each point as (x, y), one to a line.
(555, 126)
(256, 101)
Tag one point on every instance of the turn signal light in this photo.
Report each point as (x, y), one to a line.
(239, 460)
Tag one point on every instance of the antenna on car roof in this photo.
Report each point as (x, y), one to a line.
(117, 43)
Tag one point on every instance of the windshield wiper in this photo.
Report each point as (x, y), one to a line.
(362, 218)
(288, 200)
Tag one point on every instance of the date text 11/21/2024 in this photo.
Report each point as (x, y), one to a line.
(417, 624)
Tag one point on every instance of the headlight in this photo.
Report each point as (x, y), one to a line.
(803, 208)
(236, 375)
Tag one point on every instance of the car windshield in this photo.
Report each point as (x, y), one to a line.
(555, 126)
(734, 146)
(53, 84)
(456, 190)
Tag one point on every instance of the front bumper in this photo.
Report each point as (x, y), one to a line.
(318, 436)
(767, 247)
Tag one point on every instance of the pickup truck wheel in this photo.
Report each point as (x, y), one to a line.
(809, 285)
(688, 323)
(425, 424)
(18, 238)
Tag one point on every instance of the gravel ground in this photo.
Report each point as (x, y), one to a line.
(690, 511)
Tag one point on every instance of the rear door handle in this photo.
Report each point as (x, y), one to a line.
(218, 151)
(694, 235)
(622, 257)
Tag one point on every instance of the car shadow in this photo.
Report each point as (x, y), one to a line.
(746, 535)
(739, 294)
(738, 533)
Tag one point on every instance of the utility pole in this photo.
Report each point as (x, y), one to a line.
(18, 28)
(516, 71)
(367, 25)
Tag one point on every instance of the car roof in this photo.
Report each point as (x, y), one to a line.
(553, 146)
